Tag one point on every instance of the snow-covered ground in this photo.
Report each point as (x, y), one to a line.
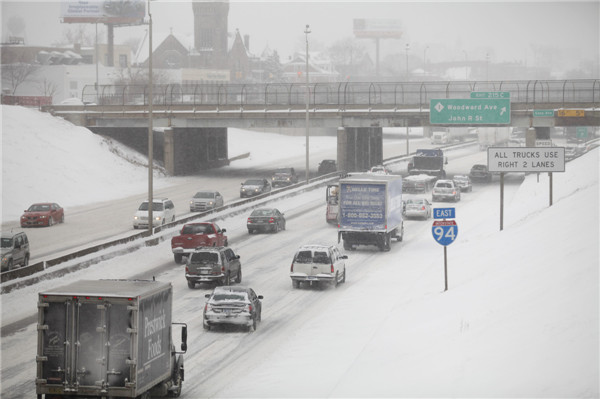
(520, 318)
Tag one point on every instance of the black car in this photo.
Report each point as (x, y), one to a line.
(480, 173)
(327, 166)
(232, 305)
(284, 177)
(252, 187)
(265, 219)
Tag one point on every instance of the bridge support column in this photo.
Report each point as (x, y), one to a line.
(169, 151)
(196, 149)
(359, 148)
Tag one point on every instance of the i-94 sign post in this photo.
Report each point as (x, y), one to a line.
(444, 232)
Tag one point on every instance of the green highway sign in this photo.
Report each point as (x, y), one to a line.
(490, 94)
(582, 132)
(469, 111)
(543, 112)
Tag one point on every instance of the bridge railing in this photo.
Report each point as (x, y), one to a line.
(343, 94)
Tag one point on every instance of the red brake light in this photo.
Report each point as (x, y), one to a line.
(292, 268)
(271, 220)
(332, 268)
(423, 208)
(249, 308)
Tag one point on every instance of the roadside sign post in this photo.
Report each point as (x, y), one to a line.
(524, 159)
(444, 232)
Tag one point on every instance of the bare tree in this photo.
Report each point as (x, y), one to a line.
(48, 88)
(84, 34)
(13, 75)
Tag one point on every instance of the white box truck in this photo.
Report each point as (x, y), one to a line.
(108, 339)
(370, 210)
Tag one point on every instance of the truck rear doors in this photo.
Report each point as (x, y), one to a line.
(83, 345)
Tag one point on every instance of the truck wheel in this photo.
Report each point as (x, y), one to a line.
(191, 284)
(205, 325)
(177, 381)
(26, 260)
(295, 284)
(238, 278)
(347, 246)
(387, 239)
(178, 258)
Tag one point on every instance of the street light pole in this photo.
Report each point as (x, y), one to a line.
(150, 127)
(306, 32)
(466, 65)
(407, 48)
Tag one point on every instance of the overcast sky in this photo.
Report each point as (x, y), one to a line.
(450, 30)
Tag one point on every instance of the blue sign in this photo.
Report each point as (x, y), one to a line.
(363, 206)
(444, 213)
(444, 231)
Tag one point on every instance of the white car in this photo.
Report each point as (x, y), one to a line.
(418, 208)
(163, 211)
(318, 264)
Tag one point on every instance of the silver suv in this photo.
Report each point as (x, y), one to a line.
(15, 250)
(445, 190)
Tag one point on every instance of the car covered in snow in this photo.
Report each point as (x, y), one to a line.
(252, 187)
(463, 182)
(417, 208)
(43, 214)
(206, 200)
(320, 265)
(379, 170)
(232, 305)
(194, 235)
(445, 190)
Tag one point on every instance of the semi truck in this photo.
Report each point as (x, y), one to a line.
(493, 136)
(108, 339)
(428, 162)
(370, 211)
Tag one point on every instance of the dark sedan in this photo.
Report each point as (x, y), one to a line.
(252, 187)
(265, 219)
(232, 305)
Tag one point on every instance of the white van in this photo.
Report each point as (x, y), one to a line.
(440, 138)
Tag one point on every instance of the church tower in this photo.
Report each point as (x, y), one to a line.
(210, 34)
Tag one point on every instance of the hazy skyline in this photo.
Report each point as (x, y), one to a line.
(508, 31)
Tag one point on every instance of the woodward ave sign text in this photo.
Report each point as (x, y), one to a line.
(526, 159)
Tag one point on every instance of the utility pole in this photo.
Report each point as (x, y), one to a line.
(306, 32)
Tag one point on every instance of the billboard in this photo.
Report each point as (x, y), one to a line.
(126, 12)
(377, 28)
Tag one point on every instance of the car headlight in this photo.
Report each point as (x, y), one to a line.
(43, 216)
(135, 218)
(158, 218)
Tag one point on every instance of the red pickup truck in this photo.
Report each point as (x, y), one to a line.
(193, 235)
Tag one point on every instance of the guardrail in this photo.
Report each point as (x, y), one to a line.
(342, 95)
(151, 239)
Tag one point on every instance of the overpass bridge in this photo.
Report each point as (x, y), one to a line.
(194, 118)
